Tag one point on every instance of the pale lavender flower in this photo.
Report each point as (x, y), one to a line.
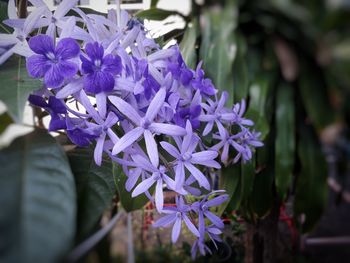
(176, 215)
(186, 157)
(145, 125)
(158, 177)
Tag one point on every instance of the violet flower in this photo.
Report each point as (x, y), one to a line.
(99, 70)
(187, 157)
(52, 64)
(144, 125)
(205, 85)
(176, 215)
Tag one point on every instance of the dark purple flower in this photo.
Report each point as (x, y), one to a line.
(205, 85)
(190, 113)
(52, 63)
(99, 69)
(55, 107)
(179, 69)
(81, 134)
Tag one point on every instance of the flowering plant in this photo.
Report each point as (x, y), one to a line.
(113, 86)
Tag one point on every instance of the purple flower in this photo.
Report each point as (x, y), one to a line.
(187, 157)
(202, 209)
(190, 113)
(216, 113)
(179, 69)
(205, 85)
(176, 215)
(99, 69)
(80, 133)
(55, 107)
(239, 110)
(144, 125)
(199, 245)
(52, 63)
(158, 177)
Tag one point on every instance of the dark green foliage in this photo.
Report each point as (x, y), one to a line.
(37, 197)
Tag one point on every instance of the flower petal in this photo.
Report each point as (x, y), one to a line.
(126, 109)
(190, 225)
(99, 149)
(202, 157)
(214, 219)
(176, 230)
(165, 220)
(128, 139)
(67, 69)
(155, 105)
(159, 196)
(216, 201)
(143, 186)
(171, 149)
(168, 129)
(41, 44)
(151, 147)
(201, 179)
(37, 66)
(53, 77)
(67, 48)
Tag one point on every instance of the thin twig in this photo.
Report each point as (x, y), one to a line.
(92, 241)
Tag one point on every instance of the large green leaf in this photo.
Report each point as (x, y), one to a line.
(240, 71)
(315, 97)
(311, 189)
(248, 175)
(16, 86)
(259, 111)
(129, 203)
(155, 14)
(95, 189)
(218, 48)
(188, 44)
(3, 15)
(285, 139)
(37, 199)
(229, 181)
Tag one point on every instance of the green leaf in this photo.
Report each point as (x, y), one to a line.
(260, 104)
(248, 175)
(155, 14)
(3, 15)
(154, 3)
(5, 121)
(240, 71)
(261, 197)
(311, 189)
(16, 86)
(218, 48)
(285, 139)
(95, 189)
(129, 203)
(188, 44)
(37, 199)
(230, 181)
(315, 97)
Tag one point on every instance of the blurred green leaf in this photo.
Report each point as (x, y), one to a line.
(259, 110)
(240, 71)
(285, 138)
(229, 181)
(129, 203)
(188, 44)
(37, 199)
(95, 189)
(154, 3)
(16, 86)
(218, 48)
(261, 198)
(5, 121)
(315, 97)
(155, 14)
(248, 175)
(3, 15)
(311, 188)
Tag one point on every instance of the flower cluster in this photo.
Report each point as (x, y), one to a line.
(164, 123)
